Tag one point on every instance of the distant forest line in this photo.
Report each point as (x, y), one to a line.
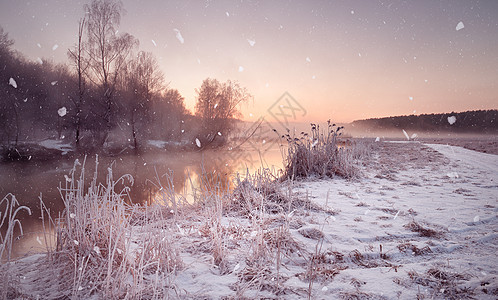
(478, 121)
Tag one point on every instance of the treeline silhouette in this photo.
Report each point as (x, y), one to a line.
(108, 95)
(479, 121)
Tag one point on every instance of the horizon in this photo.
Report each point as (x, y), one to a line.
(340, 61)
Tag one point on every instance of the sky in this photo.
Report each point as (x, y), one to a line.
(338, 60)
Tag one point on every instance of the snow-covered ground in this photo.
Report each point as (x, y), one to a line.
(420, 223)
(57, 145)
(453, 191)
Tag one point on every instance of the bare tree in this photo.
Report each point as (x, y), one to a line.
(217, 106)
(143, 79)
(107, 50)
(80, 62)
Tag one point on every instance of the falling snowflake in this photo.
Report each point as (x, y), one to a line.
(197, 142)
(352, 12)
(76, 242)
(12, 82)
(62, 111)
(411, 98)
(216, 105)
(154, 42)
(53, 82)
(228, 14)
(219, 133)
(96, 249)
(251, 42)
(39, 60)
(308, 59)
(377, 139)
(39, 240)
(179, 35)
(72, 215)
(241, 69)
(324, 289)
(459, 26)
(452, 120)
(39, 46)
(55, 47)
(406, 134)
(476, 219)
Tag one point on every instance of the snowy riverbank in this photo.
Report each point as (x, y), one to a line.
(421, 222)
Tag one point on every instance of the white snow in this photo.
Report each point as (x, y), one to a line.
(54, 82)
(57, 145)
(62, 111)
(179, 35)
(154, 42)
(452, 120)
(251, 42)
(12, 82)
(162, 144)
(241, 69)
(55, 47)
(308, 59)
(459, 26)
(197, 142)
(368, 247)
(462, 209)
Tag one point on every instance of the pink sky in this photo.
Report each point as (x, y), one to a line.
(341, 60)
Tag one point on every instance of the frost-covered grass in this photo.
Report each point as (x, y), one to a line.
(320, 154)
(9, 209)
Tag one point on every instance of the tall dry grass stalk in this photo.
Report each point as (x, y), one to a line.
(115, 248)
(9, 209)
(320, 154)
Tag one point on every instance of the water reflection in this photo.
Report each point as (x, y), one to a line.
(185, 172)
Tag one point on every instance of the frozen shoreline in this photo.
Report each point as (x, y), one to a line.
(363, 243)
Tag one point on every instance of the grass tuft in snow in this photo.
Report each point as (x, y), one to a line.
(112, 249)
(321, 154)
